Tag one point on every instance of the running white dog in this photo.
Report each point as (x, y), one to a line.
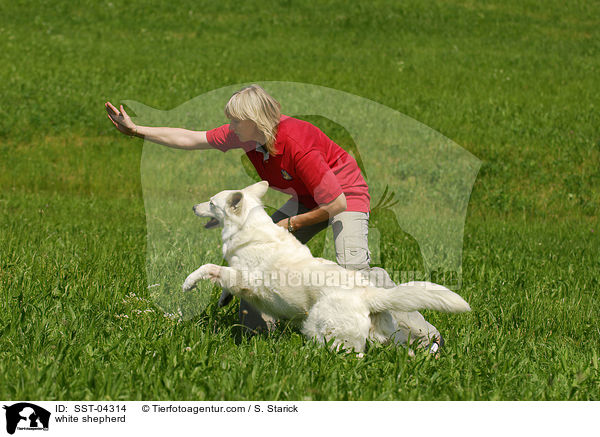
(277, 274)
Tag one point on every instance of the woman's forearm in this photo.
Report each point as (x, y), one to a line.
(320, 214)
(173, 137)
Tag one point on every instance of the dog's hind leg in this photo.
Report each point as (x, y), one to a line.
(340, 318)
(383, 327)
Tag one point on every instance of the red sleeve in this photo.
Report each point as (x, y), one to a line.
(318, 177)
(223, 138)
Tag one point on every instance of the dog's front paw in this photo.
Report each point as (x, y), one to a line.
(209, 271)
(189, 283)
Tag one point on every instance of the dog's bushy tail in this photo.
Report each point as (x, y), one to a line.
(415, 296)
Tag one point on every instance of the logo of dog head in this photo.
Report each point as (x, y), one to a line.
(26, 416)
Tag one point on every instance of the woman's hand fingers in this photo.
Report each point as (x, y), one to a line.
(113, 113)
(117, 125)
(111, 109)
(112, 121)
(120, 119)
(125, 115)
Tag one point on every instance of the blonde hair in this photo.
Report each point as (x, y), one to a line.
(253, 103)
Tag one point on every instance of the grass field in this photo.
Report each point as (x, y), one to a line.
(514, 83)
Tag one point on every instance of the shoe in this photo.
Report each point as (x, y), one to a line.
(436, 344)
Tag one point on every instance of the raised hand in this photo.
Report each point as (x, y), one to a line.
(120, 119)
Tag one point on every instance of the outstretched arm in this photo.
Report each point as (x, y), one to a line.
(168, 136)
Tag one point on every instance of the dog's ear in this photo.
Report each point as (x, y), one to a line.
(234, 201)
(258, 190)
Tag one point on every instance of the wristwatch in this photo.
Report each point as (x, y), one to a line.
(290, 226)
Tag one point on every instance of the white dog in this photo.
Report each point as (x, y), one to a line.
(277, 274)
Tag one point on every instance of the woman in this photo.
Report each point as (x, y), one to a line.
(295, 157)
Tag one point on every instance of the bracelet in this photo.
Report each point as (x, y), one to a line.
(290, 226)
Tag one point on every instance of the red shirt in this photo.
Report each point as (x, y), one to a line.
(308, 165)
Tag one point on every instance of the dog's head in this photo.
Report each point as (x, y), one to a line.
(232, 205)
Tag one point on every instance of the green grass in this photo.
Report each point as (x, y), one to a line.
(514, 83)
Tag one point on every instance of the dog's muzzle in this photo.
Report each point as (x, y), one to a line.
(211, 223)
